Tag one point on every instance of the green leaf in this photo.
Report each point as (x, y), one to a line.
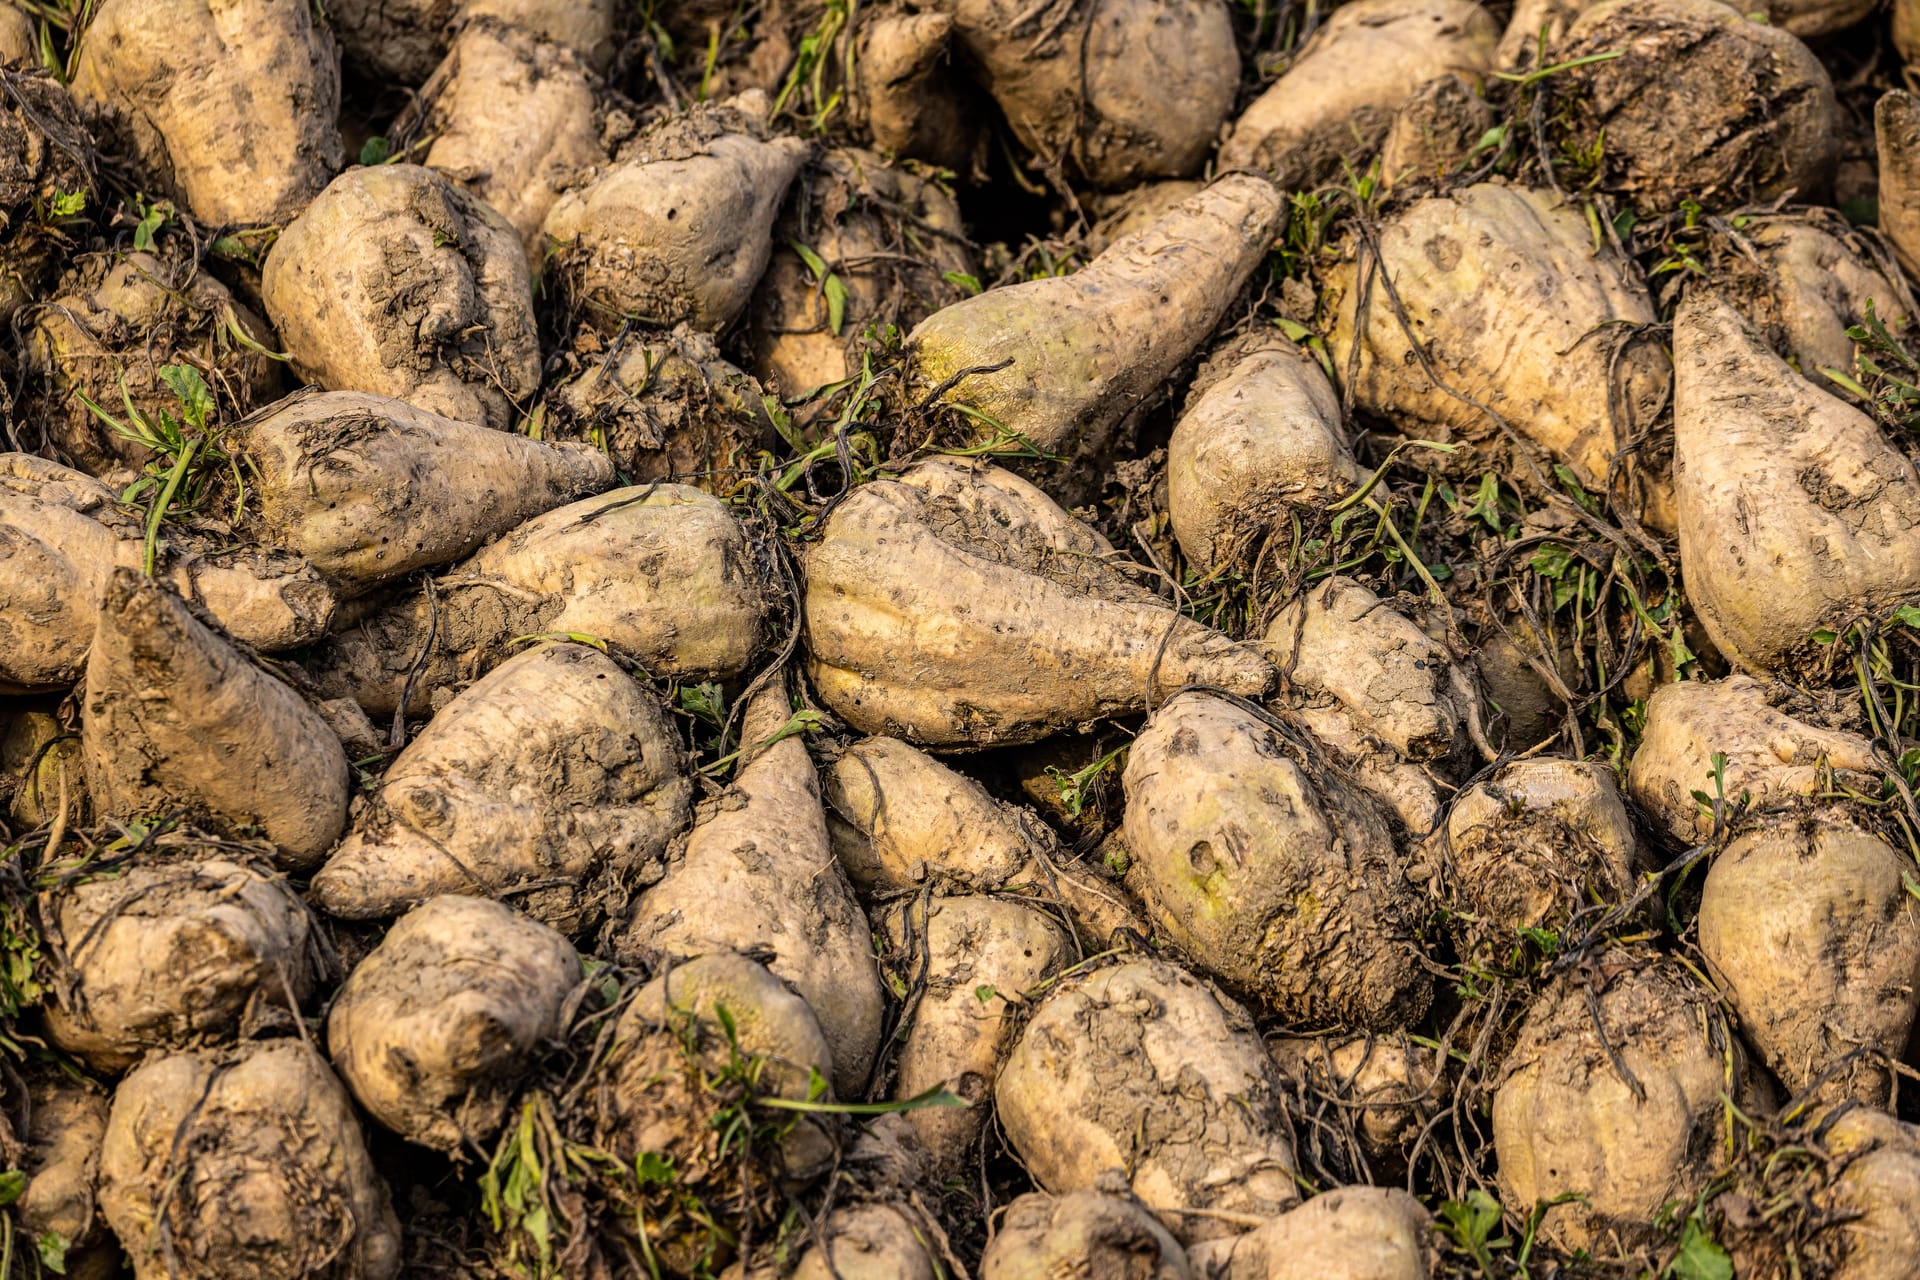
(1551, 561)
(53, 1252)
(815, 263)
(68, 204)
(1823, 635)
(836, 304)
(1907, 616)
(13, 1183)
(1486, 502)
(196, 401)
(961, 280)
(375, 150)
(984, 993)
(1700, 1256)
(654, 1170)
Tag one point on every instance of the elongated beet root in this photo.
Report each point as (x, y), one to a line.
(899, 818)
(176, 718)
(677, 228)
(1896, 127)
(66, 1124)
(1817, 279)
(1072, 356)
(660, 572)
(1350, 1233)
(980, 956)
(1806, 924)
(758, 871)
(399, 282)
(229, 108)
(554, 782)
(1338, 97)
(432, 1030)
(61, 536)
(246, 1164)
(1614, 1093)
(1269, 870)
(910, 95)
(1091, 93)
(960, 606)
(1259, 438)
(369, 488)
(234, 938)
(1139, 1068)
(1795, 511)
(1769, 755)
(1468, 269)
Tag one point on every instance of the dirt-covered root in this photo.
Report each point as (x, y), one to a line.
(515, 116)
(1333, 106)
(19, 38)
(1394, 682)
(1435, 130)
(432, 1031)
(116, 322)
(62, 534)
(1529, 847)
(900, 818)
(1350, 1233)
(1580, 379)
(1119, 214)
(398, 281)
(232, 109)
(1896, 131)
(1874, 1198)
(1089, 1234)
(1260, 438)
(369, 488)
(1093, 96)
(1703, 103)
(676, 1079)
(1389, 1088)
(679, 227)
(66, 1122)
(661, 573)
(175, 717)
(1806, 924)
(175, 952)
(244, 1164)
(1269, 871)
(1141, 1068)
(1815, 278)
(405, 39)
(1771, 756)
(874, 1241)
(908, 95)
(758, 872)
(663, 406)
(884, 245)
(1536, 26)
(1615, 1093)
(977, 957)
(1074, 356)
(960, 606)
(46, 180)
(40, 769)
(555, 782)
(1796, 512)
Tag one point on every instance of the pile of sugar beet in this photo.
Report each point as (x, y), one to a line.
(1020, 639)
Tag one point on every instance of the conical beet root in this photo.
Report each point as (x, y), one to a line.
(900, 818)
(1350, 1233)
(1101, 1236)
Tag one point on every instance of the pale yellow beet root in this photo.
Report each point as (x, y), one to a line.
(230, 108)
(1337, 99)
(901, 818)
(399, 282)
(1350, 1233)
(1140, 1068)
(1795, 510)
(1896, 129)
(758, 871)
(235, 934)
(555, 782)
(678, 228)
(978, 957)
(176, 718)
(1876, 1196)
(1389, 1085)
(1088, 1234)
(1269, 871)
(432, 1031)
(1437, 128)
(661, 573)
(1771, 756)
(1260, 438)
(959, 605)
(1566, 1118)
(908, 93)
(369, 488)
(1817, 280)
(1807, 925)
(1083, 352)
(65, 1126)
(245, 1164)
(63, 533)
(1470, 270)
